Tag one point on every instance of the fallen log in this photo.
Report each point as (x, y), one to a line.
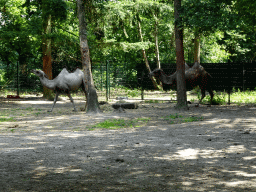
(125, 105)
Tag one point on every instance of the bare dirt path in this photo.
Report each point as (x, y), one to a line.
(56, 151)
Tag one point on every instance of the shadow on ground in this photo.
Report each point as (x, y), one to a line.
(217, 154)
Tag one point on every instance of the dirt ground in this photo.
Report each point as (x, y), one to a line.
(57, 151)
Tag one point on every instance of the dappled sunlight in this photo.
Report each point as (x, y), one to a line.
(34, 138)
(216, 154)
(187, 154)
(137, 172)
(41, 171)
(211, 153)
(235, 183)
(236, 149)
(249, 157)
(37, 102)
(13, 149)
(241, 173)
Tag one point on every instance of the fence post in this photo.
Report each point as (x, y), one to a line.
(229, 86)
(18, 87)
(142, 93)
(107, 80)
(243, 77)
(101, 73)
(142, 87)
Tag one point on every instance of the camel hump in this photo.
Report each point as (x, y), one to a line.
(63, 71)
(66, 72)
(196, 65)
(186, 66)
(78, 71)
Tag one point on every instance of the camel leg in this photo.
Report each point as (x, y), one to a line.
(202, 97)
(211, 94)
(72, 101)
(55, 100)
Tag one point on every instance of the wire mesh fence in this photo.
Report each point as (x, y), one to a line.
(117, 80)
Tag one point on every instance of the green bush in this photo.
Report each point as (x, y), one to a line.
(133, 93)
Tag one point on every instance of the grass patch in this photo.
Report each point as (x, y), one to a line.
(218, 99)
(246, 97)
(176, 118)
(237, 96)
(5, 119)
(120, 123)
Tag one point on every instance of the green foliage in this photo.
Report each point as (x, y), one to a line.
(56, 8)
(212, 51)
(133, 93)
(2, 81)
(207, 15)
(123, 32)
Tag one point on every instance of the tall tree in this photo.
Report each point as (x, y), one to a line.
(144, 52)
(197, 46)
(181, 85)
(52, 11)
(92, 105)
(156, 40)
(46, 50)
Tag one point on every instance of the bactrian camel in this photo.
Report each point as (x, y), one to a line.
(65, 82)
(194, 76)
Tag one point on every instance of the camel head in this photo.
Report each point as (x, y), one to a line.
(156, 73)
(39, 73)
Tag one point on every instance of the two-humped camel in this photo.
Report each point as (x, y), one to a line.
(64, 82)
(194, 76)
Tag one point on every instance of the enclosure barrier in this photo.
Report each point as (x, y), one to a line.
(108, 77)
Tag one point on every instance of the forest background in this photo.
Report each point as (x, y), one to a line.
(131, 37)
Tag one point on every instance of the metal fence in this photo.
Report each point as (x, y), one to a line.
(108, 77)
(232, 75)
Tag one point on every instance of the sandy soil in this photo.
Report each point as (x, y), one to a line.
(57, 151)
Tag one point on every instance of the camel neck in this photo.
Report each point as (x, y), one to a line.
(48, 83)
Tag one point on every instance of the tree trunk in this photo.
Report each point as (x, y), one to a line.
(158, 65)
(197, 46)
(156, 45)
(181, 85)
(46, 48)
(145, 55)
(92, 104)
